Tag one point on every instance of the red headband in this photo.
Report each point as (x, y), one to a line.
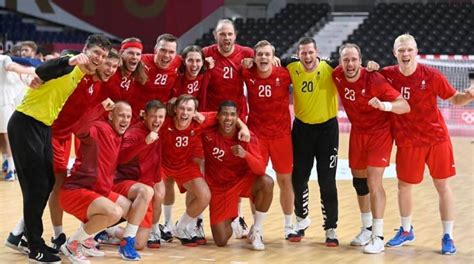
(131, 44)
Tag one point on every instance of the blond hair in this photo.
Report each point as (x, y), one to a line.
(404, 38)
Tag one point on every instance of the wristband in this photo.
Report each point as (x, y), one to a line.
(387, 106)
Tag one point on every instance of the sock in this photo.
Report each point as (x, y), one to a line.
(111, 230)
(406, 223)
(19, 228)
(287, 220)
(259, 217)
(58, 230)
(377, 227)
(155, 228)
(167, 214)
(11, 164)
(80, 235)
(448, 228)
(366, 219)
(130, 230)
(184, 221)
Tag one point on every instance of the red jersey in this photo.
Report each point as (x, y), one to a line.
(119, 87)
(223, 168)
(355, 97)
(86, 95)
(269, 101)
(424, 125)
(196, 87)
(95, 164)
(177, 152)
(226, 81)
(137, 160)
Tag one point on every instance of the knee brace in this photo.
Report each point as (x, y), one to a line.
(360, 185)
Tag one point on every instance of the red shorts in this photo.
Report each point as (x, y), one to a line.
(123, 188)
(62, 151)
(410, 162)
(280, 151)
(77, 201)
(372, 150)
(182, 176)
(224, 203)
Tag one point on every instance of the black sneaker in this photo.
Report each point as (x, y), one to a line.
(59, 241)
(17, 243)
(166, 233)
(43, 256)
(51, 250)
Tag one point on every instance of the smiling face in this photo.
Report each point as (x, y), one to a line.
(227, 118)
(193, 63)
(165, 52)
(131, 57)
(350, 62)
(107, 69)
(405, 50)
(154, 118)
(308, 55)
(185, 111)
(264, 59)
(97, 55)
(225, 37)
(120, 117)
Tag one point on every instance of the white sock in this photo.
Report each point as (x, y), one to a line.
(58, 230)
(167, 214)
(11, 164)
(259, 218)
(366, 219)
(19, 228)
(111, 230)
(155, 228)
(406, 223)
(184, 221)
(130, 230)
(448, 228)
(377, 227)
(287, 220)
(80, 235)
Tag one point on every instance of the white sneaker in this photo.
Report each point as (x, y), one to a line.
(73, 251)
(302, 224)
(89, 248)
(240, 228)
(375, 246)
(185, 236)
(291, 234)
(256, 239)
(362, 238)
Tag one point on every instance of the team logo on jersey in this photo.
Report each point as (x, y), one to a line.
(318, 75)
(363, 91)
(277, 82)
(192, 133)
(423, 85)
(252, 81)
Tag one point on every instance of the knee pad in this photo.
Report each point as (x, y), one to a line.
(360, 185)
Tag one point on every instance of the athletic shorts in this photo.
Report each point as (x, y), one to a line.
(224, 203)
(182, 176)
(372, 150)
(123, 188)
(6, 111)
(410, 162)
(61, 153)
(77, 201)
(280, 151)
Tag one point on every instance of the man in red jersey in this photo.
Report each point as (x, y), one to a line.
(422, 137)
(86, 95)
(234, 169)
(132, 72)
(269, 118)
(87, 193)
(367, 98)
(139, 166)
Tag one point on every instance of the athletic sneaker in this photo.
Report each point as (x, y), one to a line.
(375, 245)
(363, 237)
(154, 240)
(165, 231)
(59, 241)
(73, 251)
(43, 255)
(104, 238)
(331, 238)
(447, 245)
(240, 228)
(17, 243)
(401, 238)
(200, 237)
(185, 236)
(10, 176)
(302, 224)
(127, 249)
(89, 248)
(291, 234)
(5, 166)
(255, 238)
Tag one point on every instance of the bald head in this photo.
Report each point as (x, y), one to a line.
(120, 117)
